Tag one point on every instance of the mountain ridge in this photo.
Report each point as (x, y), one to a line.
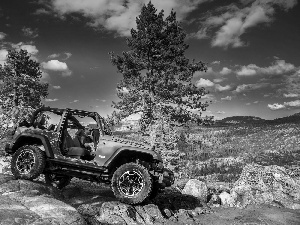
(246, 120)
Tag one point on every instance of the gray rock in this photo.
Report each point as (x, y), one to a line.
(266, 184)
(197, 189)
(26, 202)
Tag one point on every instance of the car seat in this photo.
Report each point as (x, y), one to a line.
(74, 149)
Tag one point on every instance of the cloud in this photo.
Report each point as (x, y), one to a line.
(51, 100)
(249, 70)
(204, 83)
(200, 34)
(285, 105)
(28, 32)
(74, 101)
(291, 95)
(52, 56)
(216, 62)
(222, 88)
(232, 21)
(295, 103)
(220, 112)
(56, 87)
(68, 55)
(249, 87)
(278, 67)
(208, 96)
(219, 80)
(56, 65)
(3, 54)
(119, 16)
(31, 49)
(201, 73)
(2, 35)
(225, 71)
(227, 98)
(276, 106)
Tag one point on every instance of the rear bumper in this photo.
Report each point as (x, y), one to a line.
(167, 178)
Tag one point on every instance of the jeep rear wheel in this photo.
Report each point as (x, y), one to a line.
(57, 180)
(131, 183)
(28, 162)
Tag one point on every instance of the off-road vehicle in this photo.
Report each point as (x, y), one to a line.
(67, 143)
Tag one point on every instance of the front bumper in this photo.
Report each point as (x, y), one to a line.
(166, 179)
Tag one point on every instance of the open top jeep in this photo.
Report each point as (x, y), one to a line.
(66, 143)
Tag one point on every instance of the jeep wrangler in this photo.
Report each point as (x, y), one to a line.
(67, 143)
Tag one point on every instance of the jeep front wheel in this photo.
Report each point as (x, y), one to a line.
(28, 162)
(131, 183)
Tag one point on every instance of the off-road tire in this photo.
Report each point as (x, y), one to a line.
(58, 181)
(140, 176)
(28, 162)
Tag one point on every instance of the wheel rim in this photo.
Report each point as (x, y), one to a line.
(25, 161)
(131, 183)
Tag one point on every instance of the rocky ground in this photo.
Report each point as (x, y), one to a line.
(253, 199)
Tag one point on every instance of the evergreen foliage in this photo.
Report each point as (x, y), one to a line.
(157, 77)
(20, 88)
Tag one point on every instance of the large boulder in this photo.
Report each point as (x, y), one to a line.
(197, 189)
(26, 202)
(267, 185)
(119, 213)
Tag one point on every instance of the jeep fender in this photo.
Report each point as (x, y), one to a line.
(31, 139)
(134, 150)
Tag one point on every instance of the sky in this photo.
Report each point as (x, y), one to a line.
(251, 48)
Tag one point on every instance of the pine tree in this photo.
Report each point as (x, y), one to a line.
(20, 88)
(157, 76)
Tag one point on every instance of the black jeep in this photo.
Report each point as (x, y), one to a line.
(66, 143)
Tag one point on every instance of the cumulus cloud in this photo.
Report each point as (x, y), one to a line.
(68, 55)
(222, 88)
(56, 65)
(220, 112)
(51, 100)
(53, 56)
(29, 32)
(291, 95)
(295, 103)
(218, 80)
(204, 83)
(285, 105)
(232, 21)
(216, 62)
(227, 98)
(278, 67)
(276, 106)
(249, 87)
(2, 35)
(249, 70)
(29, 47)
(225, 71)
(117, 15)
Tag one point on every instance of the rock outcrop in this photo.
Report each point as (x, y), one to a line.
(26, 202)
(266, 185)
